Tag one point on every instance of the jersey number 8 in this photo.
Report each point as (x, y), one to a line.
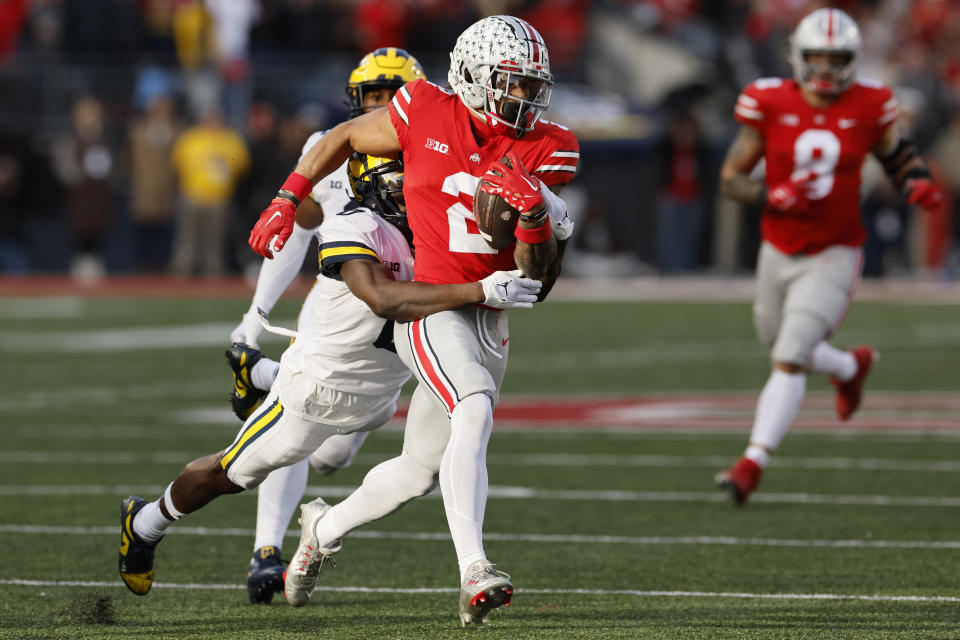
(817, 151)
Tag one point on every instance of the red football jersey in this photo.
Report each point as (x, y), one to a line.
(444, 157)
(830, 143)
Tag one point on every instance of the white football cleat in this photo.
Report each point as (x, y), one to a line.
(301, 575)
(483, 590)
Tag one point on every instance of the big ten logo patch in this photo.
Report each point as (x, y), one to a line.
(436, 145)
(393, 266)
(335, 184)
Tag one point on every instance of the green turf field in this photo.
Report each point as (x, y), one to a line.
(608, 532)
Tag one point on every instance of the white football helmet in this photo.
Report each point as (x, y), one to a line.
(495, 59)
(831, 32)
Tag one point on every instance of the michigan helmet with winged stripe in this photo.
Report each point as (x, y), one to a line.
(378, 183)
(500, 66)
(831, 32)
(385, 68)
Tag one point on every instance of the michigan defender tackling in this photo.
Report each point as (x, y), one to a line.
(341, 376)
(371, 85)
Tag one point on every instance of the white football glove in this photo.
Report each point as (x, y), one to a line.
(510, 290)
(560, 221)
(248, 331)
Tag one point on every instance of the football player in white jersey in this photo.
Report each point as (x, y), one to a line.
(371, 85)
(340, 376)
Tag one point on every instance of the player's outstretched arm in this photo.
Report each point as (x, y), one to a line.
(743, 155)
(371, 133)
(906, 169)
(404, 301)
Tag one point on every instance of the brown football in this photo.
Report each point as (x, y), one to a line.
(496, 219)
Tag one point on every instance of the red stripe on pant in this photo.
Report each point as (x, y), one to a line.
(852, 290)
(420, 353)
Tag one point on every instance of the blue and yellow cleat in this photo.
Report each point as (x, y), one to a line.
(245, 397)
(265, 576)
(136, 555)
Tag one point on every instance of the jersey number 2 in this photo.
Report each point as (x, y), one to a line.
(817, 151)
(461, 240)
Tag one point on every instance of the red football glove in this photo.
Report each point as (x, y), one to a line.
(276, 220)
(516, 185)
(923, 193)
(790, 196)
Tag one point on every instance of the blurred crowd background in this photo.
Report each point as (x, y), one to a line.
(145, 136)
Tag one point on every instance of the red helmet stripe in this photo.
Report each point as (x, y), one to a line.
(532, 47)
(829, 26)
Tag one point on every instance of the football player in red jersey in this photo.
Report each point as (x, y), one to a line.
(501, 84)
(813, 132)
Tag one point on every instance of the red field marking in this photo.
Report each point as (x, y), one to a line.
(727, 411)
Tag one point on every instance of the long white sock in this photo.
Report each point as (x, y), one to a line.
(264, 373)
(386, 488)
(277, 499)
(832, 361)
(463, 476)
(277, 274)
(777, 407)
(150, 523)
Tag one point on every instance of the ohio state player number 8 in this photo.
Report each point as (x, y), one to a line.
(817, 151)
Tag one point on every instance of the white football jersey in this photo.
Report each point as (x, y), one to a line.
(347, 347)
(333, 192)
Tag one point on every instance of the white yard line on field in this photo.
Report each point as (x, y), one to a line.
(117, 339)
(727, 541)
(538, 459)
(212, 334)
(36, 308)
(559, 592)
(530, 493)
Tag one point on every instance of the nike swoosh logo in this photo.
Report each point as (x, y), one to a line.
(529, 183)
(275, 214)
(505, 341)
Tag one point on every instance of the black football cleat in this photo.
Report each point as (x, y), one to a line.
(136, 555)
(245, 398)
(265, 576)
